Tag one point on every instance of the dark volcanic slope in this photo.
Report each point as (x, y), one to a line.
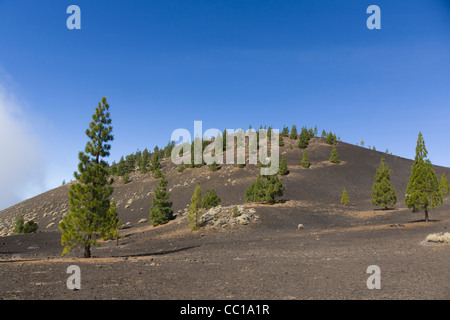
(321, 184)
(269, 258)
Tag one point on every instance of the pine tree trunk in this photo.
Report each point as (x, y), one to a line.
(87, 251)
(426, 215)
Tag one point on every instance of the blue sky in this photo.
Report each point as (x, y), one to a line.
(163, 64)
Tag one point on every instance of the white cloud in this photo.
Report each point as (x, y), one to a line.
(21, 154)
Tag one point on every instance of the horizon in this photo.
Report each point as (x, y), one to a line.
(230, 64)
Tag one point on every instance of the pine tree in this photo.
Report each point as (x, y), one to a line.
(280, 141)
(324, 134)
(303, 140)
(161, 212)
(19, 225)
(211, 199)
(89, 197)
(331, 138)
(121, 170)
(444, 186)
(294, 133)
(315, 131)
(274, 189)
(130, 163)
(383, 192)
(305, 161)
(125, 178)
(30, 227)
(265, 189)
(195, 208)
(283, 168)
(285, 132)
(423, 191)
(255, 191)
(112, 224)
(345, 199)
(334, 157)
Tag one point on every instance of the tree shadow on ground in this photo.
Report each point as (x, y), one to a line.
(159, 253)
(423, 220)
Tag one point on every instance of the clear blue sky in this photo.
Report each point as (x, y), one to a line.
(230, 63)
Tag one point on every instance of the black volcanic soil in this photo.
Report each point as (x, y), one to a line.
(267, 259)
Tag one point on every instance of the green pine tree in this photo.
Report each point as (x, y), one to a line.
(305, 161)
(334, 156)
(383, 192)
(161, 212)
(324, 134)
(211, 199)
(121, 170)
(195, 208)
(265, 189)
(423, 191)
(280, 141)
(283, 168)
(303, 140)
(112, 224)
(89, 198)
(125, 178)
(30, 227)
(345, 199)
(331, 138)
(444, 186)
(19, 225)
(294, 133)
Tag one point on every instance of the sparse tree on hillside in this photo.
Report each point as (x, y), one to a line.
(334, 157)
(280, 141)
(303, 140)
(125, 178)
(305, 160)
(211, 199)
(89, 198)
(294, 132)
(18, 226)
(444, 186)
(315, 131)
(283, 168)
(161, 212)
(331, 138)
(121, 170)
(383, 192)
(285, 132)
(195, 208)
(423, 191)
(324, 134)
(345, 199)
(265, 189)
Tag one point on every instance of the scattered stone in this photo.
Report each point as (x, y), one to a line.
(50, 225)
(142, 221)
(300, 227)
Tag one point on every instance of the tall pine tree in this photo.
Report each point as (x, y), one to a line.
(423, 191)
(89, 198)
